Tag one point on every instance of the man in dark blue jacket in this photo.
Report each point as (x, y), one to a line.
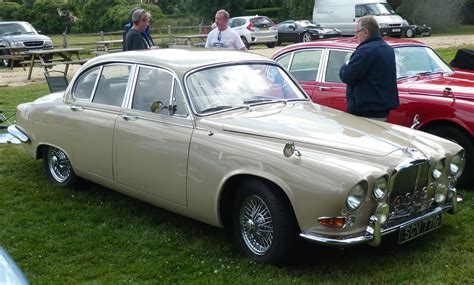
(370, 74)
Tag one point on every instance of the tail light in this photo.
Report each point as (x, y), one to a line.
(250, 26)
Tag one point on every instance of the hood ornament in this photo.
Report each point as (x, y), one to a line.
(290, 149)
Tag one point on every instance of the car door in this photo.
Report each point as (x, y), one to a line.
(152, 137)
(304, 66)
(331, 91)
(97, 98)
(285, 33)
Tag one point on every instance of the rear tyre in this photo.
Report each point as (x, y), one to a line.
(306, 37)
(263, 224)
(246, 43)
(58, 167)
(457, 136)
(410, 33)
(271, 45)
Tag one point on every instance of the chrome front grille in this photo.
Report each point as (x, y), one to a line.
(409, 195)
(34, 44)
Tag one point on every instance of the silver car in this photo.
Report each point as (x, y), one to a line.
(229, 139)
(255, 30)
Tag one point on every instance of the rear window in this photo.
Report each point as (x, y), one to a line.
(262, 22)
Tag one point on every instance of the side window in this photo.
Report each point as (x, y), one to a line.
(153, 90)
(285, 60)
(85, 85)
(178, 102)
(112, 85)
(336, 59)
(305, 65)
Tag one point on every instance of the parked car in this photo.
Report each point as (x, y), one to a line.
(229, 139)
(415, 30)
(255, 30)
(304, 31)
(23, 35)
(433, 97)
(10, 272)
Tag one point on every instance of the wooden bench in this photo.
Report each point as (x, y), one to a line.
(53, 63)
(13, 58)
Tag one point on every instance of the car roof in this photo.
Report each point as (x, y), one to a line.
(345, 43)
(180, 60)
(8, 22)
(248, 17)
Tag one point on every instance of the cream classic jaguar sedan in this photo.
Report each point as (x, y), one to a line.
(229, 139)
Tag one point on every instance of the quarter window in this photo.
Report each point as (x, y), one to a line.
(112, 85)
(285, 60)
(85, 85)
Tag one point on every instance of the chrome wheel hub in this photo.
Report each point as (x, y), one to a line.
(59, 165)
(256, 225)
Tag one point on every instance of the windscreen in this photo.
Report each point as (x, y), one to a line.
(235, 86)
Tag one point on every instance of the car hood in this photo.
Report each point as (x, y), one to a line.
(26, 38)
(461, 84)
(318, 125)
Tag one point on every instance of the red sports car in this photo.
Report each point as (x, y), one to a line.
(433, 97)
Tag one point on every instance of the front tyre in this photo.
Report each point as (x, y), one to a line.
(271, 45)
(264, 226)
(410, 33)
(58, 167)
(306, 37)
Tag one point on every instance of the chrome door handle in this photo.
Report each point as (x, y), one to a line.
(129, 118)
(76, 108)
(323, 88)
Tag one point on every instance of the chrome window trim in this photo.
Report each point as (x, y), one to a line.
(76, 82)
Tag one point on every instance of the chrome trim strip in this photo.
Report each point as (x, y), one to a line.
(18, 133)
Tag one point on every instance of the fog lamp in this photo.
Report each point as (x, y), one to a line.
(332, 222)
(440, 194)
(437, 169)
(382, 212)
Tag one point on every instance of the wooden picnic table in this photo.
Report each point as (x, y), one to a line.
(13, 54)
(51, 57)
(191, 40)
(107, 46)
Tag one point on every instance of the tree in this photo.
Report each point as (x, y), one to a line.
(441, 15)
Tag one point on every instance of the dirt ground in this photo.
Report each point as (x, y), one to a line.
(17, 76)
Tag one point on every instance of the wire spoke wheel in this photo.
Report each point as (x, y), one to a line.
(256, 225)
(59, 165)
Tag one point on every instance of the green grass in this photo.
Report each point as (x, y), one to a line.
(90, 234)
(461, 30)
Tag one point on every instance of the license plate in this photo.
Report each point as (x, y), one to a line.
(418, 228)
(395, 30)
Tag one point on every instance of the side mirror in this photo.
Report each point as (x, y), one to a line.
(158, 106)
(292, 27)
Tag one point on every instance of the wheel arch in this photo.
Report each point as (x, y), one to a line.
(445, 123)
(230, 188)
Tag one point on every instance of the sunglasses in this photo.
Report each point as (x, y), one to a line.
(358, 31)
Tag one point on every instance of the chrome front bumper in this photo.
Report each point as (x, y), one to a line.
(18, 133)
(374, 232)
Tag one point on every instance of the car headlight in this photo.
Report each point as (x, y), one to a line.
(380, 188)
(405, 23)
(438, 168)
(383, 25)
(17, 44)
(456, 165)
(48, 43)
(357, 195)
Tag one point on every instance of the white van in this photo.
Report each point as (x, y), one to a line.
(343, 15)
